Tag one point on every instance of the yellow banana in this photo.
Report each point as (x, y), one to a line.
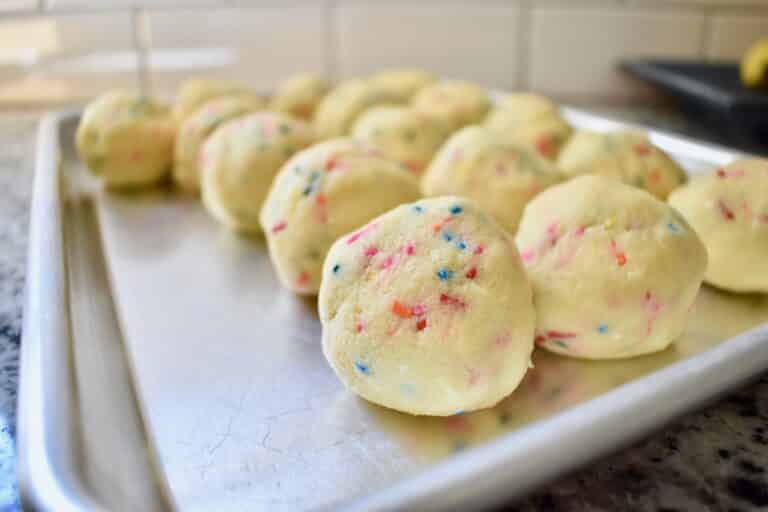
(754, 64)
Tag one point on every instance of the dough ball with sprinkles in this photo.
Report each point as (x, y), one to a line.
(401, 133)
(531, 120)
(455, 104)
(322, 193)
(427, 309)
(340, 108)
(499, 174)
(728, 208)
(239, 161)
(629, 156)
(195, 129)
(402, 84)
(126, 140)
(300, 95)
(614, 270)
(193, 93)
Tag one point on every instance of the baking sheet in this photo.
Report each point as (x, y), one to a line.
(244, 413)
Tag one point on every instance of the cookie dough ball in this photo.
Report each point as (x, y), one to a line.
(401, 133)
(321, 194)
(453, 103)
(402, 84)
(341, 107)
(239, 161)
(126, 140)
(500, 175)
(300, 95)
(193, 93)
(628, 156)
(531, 120)
(614, 269)
(728, 208)
(195, 129)
(427, 309)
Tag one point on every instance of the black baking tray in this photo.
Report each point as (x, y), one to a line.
(711, 94)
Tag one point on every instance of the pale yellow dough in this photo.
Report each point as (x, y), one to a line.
(321, 194)
(239, 161)
(531, 120)
(402, 84)
(126, 140)
(340, 108)
(427, 309)
(453, 103)
(194, 92)
(401, 133)
(629, 156)
(614, 270)
(728, 207)
(300, 95)
(195, 129)
(500, 175)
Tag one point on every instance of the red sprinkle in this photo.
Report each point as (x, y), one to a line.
(371, 251)
(621, 258)
(545, 146)
(721, 173)
(452, 301)
(388, 261)
(479, 249)
(303, 278)
(358, 327)
(642, 150)
(421, 324)
(321, 199)
(471, 273)
(540, 339)
(410, 249)
(279, 226)
(401, 310)
(332, 162)
(560, 334)
(725, 211)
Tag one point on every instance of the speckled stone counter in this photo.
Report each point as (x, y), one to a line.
(716, 459)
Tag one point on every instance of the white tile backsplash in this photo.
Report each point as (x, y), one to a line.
(574, 53)
(732, 35)
(259, 46)
(476, 42)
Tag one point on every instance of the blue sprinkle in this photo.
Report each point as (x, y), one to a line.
(673, 227)
(418, 209)
(602, 328)
(362, 368)
(444, 274)
(461, 245)
(458, 413)
(336, 268)
(447, 236)
(457, 210)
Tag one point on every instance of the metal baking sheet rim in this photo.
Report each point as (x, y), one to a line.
(47, 440)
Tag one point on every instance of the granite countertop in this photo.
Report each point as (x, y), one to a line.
(716, 459)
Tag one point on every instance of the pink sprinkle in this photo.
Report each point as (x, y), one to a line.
(279, 226)
(527, 255)
(418, 310)
(502, 341)
(388, 261)
(474, 376)
(359, 327)
(410, 249)
(303, 278)
(619, 256)
(479, 249)
(580, 230)
(370, 251)
(560, 334)
(552, 233)
(356, 236)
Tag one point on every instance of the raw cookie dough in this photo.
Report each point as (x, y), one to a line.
(728, 208)
(300, 95)
(500, 175)
(453, 103)
(402, 84)
(126, 140)
(427, 309)
(339, 108)
(239, 161)
(401, 133)
(629, 156)
(193, 93)
(531, 120)
(322, 193)
(195, 129)
(614, 270)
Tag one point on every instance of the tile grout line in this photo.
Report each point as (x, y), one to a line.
(523, 45)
